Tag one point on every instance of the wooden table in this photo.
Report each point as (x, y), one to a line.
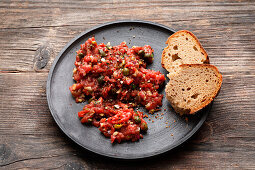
(32, 33)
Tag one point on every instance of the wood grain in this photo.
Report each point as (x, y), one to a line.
(33, 32)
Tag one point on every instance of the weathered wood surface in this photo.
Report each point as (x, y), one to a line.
(33, 32)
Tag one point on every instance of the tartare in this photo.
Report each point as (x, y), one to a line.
(114, 80)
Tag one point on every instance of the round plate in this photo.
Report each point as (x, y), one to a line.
(159, 138)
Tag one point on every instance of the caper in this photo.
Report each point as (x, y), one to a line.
(100, 79)
(137, 119)
(97, 102)
(102, 53)
(81, 55)
(147, 55)
(126, 71)
(117, 126)
(133, 86)
(89, 121)
(141, 53)
(150, 59)
(144, 126)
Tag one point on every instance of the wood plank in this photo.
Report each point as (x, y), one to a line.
(53, 152)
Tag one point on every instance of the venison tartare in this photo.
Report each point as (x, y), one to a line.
(115, 80)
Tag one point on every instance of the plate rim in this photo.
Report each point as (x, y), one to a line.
(56, 119)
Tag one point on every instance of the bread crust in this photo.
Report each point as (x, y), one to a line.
(164, 63)
(162, 58)
(207, 61)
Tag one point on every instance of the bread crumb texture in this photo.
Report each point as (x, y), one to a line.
(183, 48)
(193, 87)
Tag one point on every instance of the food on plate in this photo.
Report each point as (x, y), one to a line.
(116, 78)
(115, 120)
(193, 87)
(193, 83)
(183, 48)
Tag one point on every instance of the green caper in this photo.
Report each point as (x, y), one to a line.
(137, 119)
(150, 59)
(117, 126)
(126, 71)
(141, 53)
(102, 53)
(133, 86)
(89, 121)
(81, 55)
(100, 80)
(147, 55)
(144, 126)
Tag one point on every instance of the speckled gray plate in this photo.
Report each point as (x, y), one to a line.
(158, 139)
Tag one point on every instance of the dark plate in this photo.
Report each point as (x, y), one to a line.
(158, 139)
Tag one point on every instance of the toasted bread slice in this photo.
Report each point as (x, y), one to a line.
(193, 87)
(183, 48)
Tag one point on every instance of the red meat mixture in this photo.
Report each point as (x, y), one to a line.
(118, 121)
(115, 79)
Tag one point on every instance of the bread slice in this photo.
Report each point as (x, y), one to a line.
(193, 87)
(183, 48)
